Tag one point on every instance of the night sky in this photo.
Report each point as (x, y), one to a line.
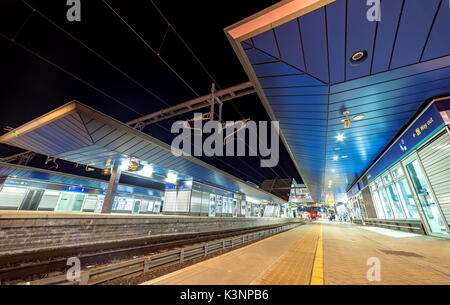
(31, 87)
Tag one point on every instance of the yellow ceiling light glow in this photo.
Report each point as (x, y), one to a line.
(358, 55)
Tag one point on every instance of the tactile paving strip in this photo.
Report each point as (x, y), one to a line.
(295, 267)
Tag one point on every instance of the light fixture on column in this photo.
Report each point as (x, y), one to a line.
(124, 165)
(347, 120)
(172, 177)
(147, 171)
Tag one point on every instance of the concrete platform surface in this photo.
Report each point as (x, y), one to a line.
(325, 253)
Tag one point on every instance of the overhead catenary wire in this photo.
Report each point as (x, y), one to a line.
(203, 67)
(33, 9)
(97, 54)
(185, 44)
(23, 24)
(122, 72)
(68, 73)
(159, 56)
(96, 89)
(150, 48)
(193, 54)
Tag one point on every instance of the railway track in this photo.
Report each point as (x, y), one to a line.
(100, 266)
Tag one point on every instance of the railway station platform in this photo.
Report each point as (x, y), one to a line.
(325, 253)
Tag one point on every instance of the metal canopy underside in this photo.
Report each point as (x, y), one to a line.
(26, 172)
(302, 72)
(80, 134)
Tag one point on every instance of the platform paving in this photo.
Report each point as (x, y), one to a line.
(326, 253)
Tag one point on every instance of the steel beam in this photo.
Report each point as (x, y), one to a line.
(22, 158)
(112, 189)
(194, 104)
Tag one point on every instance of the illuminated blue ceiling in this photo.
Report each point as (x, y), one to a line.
(304, 69)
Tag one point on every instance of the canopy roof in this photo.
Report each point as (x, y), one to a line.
(80, 134)
(298, 55)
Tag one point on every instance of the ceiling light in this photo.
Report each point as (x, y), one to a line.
(340, 137)
(147, 171)
(358, 117)
(343, 157)
(358, 57)
(337, 148)
(171, 177)
(333, 170)
(335, 158)
(124, 165)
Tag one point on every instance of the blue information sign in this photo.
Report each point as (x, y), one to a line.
(77, 189)
(427, 124)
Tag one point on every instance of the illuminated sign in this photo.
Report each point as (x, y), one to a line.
(415, 135)
(135, 167)
(76, 189)
(25, 183)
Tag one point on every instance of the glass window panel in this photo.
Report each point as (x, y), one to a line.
(387, 178)
(212, 205)
(151, 205)
(156, 206)
(219, 205)
(64, 202)
(407, 199)
(144, 206)
(137, 205)
(423, 191)
(379, 183)
(78, 202)
(397, 172)
(386, 205)
(377, 203)
(395, 201)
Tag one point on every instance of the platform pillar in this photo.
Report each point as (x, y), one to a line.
(2, 181)
(112, 189)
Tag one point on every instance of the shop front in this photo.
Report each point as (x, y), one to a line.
(410, 182)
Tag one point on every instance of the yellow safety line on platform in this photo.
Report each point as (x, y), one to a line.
(317, 274)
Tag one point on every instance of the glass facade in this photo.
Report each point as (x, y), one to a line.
(396, 205)
(63, 198)
(406, 198)
(423, 191)
(392, 196)
(212, 205)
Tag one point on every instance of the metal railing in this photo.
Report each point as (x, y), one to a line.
(408, 225)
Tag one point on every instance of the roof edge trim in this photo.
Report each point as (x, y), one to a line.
(243, 59)
(47, 118)
(272, 17)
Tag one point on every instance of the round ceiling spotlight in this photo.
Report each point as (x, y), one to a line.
(358, 57)
(359, 117)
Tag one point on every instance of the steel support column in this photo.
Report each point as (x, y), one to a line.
(112, 189)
